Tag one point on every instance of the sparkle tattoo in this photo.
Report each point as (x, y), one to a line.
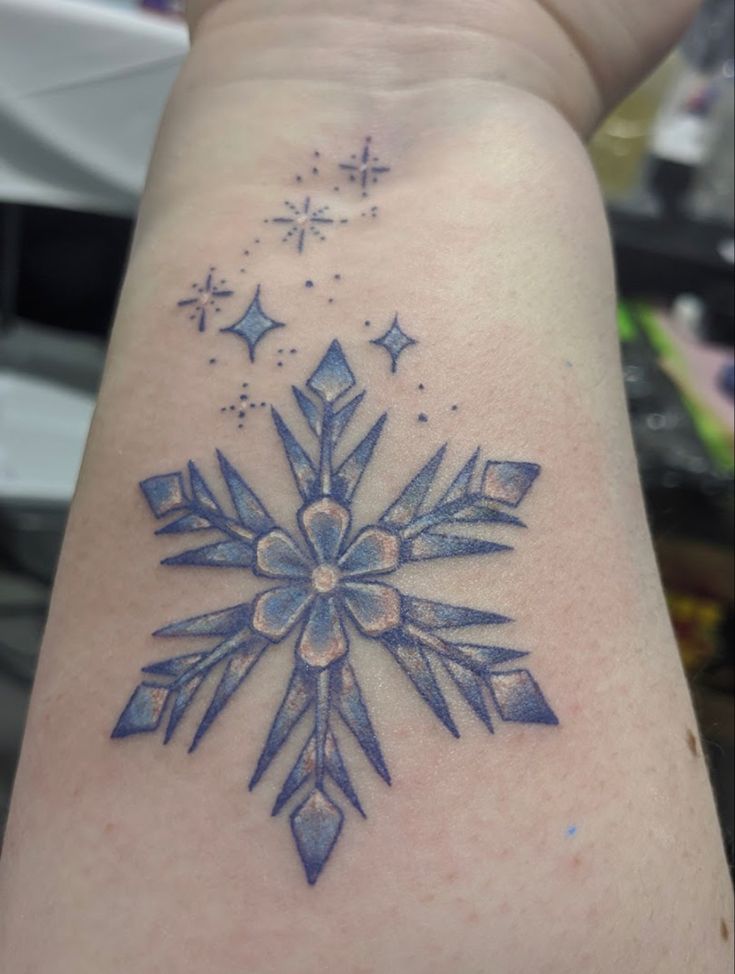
(206, 297)
(364, 168)
(304, 221)
(394, 341)
(253, 325)
(324, 585)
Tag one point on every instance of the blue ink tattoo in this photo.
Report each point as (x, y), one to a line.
(303, 221)
(394, 341)
(364, 168)
(330, 580)
(253, 325)
(206, 298)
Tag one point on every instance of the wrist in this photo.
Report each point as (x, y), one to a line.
(393, 50)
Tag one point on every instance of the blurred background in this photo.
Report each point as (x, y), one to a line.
(82, 86)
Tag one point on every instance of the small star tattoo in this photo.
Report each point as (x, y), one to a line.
(205, 299)
(303, 221)
(394, 341)
(253, 325)
(364, 168)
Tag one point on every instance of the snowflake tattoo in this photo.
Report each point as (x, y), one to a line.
(331, 582)
(206, 298)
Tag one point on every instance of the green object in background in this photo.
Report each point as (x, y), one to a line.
(639, 317)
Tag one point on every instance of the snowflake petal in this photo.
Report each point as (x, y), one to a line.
(460, 486)
(323, 640)
(374, 607)
(373, 552)
(277, 610)
(278, 556)
(325, 524)
(298, 775)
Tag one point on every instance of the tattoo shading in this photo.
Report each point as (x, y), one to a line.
(206, 298)
(364, 168)
(253, 324)
(394, 341)
(324, 584)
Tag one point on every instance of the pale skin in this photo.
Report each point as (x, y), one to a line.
(492, 242)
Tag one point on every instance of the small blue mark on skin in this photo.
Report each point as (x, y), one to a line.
(571, 831)
(568, 363)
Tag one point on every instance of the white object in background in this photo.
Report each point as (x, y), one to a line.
(82, 88)
(43, 429)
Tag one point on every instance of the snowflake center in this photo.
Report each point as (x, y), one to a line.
(324, 579)
(302, 219)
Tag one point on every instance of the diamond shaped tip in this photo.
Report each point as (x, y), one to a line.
(164, 493)
(508, 481)
(333, 376)
(316, 825)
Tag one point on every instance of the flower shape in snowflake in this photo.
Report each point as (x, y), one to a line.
(331, 583)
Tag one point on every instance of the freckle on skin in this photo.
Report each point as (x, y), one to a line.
(724, 930)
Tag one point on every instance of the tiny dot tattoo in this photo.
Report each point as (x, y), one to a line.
(423, 418)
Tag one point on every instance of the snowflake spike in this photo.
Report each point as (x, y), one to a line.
(508, 481)
(309, 410)
(298, 775)
(519, 698)
(427, 546)
(405, 508)
(175, 665)
(143, 711)
(299, 694)
(341, 419)
(471, 688)
(349, 701)
(302, 468)
(221, 554)
(333, 377)
(460, 486)
(412, 660)
(200, 489)
(348, 476)
(481, 658)
(338, 772)
(182, 698)
(185, 524)
(316, 825)
(236, 672)
(249, 509)
(440, 615)
(165, 493)
(222, 622)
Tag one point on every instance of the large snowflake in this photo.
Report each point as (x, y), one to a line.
(329, 583)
